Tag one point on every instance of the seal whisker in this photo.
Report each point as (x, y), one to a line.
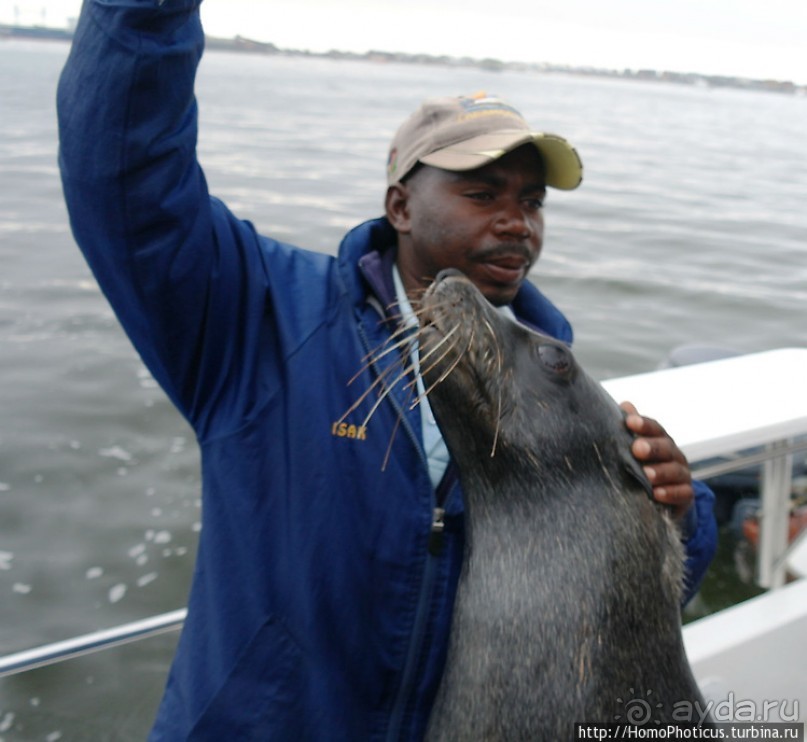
(449, 370)
(400, 369)
(499, 367)
(493, 349)
(399, 339)
(604, 467)
(403, 372)
(379, 382)
(391, 441)
(431, 351)
(442, 377)
(387, 391)
(419, 309)
(393, 312)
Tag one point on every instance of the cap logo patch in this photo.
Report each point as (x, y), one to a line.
(486, 105)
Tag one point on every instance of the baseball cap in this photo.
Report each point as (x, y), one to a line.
(467, 132)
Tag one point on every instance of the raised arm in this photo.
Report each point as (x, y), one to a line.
(179, 270)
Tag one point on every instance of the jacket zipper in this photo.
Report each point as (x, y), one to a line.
(435, 547)
(437, 530)
(413, 654)
(424, 598)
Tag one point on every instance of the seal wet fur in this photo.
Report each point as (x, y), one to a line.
(568, 607)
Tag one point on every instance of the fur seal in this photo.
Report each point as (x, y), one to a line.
(568, 607)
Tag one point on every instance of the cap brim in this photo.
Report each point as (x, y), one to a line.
(564, 169)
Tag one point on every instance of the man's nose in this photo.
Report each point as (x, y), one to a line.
(512, 221)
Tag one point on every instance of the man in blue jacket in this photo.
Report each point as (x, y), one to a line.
(321, 601)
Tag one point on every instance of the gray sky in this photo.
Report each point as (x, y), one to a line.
(744, 38)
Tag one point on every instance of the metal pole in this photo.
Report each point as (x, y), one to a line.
(742, 461)
(777, 475)
(51, 654)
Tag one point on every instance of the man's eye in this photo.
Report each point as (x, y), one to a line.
(481, 196)
(534, 203)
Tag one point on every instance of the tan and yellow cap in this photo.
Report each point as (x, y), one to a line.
(468, 132)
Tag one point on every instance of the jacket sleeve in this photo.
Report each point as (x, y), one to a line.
(182, 274)
(700, 538)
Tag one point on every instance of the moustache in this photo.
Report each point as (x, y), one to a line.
(505, 250)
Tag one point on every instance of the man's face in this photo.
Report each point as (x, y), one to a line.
(487, 223)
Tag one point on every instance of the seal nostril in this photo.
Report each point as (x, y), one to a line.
(447, 273)
(554, 358)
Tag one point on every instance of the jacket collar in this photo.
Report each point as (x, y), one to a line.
(376, 269)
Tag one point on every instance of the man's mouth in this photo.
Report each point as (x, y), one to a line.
(506, 267)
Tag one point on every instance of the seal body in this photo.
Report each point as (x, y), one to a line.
(568, 607)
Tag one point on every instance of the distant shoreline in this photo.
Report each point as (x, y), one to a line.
(44, 33)
(248, 46)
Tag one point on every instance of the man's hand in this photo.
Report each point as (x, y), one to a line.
(663, 462)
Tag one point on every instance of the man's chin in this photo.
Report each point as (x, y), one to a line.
(499, 296)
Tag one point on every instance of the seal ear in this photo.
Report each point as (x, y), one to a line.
(629, 462)
(635, 471)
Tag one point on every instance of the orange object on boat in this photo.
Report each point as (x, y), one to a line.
(797, 523)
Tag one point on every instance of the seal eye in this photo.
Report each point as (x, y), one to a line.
(555, 358)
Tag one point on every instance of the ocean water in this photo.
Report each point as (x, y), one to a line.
(690, 227)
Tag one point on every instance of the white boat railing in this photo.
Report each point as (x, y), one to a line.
(744, 461)
(51, 654)
(753, 656)
(714, 409)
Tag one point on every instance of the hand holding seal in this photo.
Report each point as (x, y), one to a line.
(663, 462)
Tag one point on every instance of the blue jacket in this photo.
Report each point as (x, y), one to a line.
(320, 604)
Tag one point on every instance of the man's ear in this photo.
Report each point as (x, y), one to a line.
(396, 204)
